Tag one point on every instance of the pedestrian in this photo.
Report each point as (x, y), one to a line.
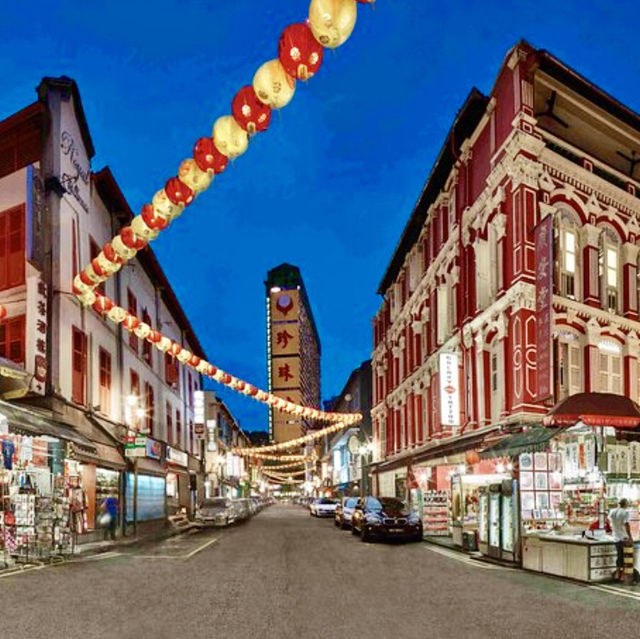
(619, 519)
(109, 517)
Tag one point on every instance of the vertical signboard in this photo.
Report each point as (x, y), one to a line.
(449, 389)
(543, 237)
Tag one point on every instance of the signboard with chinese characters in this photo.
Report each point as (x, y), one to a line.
(177, 457)
(36, 324)
(285, 306)
(285, 339)
(449, 389)
(543, 236)
(285, 372)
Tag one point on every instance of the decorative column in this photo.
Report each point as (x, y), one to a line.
(629, 279)
(590, 242)
(591, 363)
(480, 386)
(631, 353)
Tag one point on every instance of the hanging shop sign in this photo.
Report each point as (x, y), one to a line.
(153, 449)
(543, 237)
(37, 325)
(449, 390)
(198, 408)
(135, 446)
(177, 457)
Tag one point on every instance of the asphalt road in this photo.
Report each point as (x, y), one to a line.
(287, 575)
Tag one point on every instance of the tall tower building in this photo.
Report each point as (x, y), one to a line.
(293, 350)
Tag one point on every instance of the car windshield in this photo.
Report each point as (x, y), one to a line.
(386, 503)
(351, 502)
(327, 501)
(214, 503)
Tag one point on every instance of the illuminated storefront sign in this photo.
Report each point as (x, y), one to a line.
(449, 390)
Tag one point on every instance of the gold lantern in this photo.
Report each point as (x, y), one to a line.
(273, 85)
(332, 21)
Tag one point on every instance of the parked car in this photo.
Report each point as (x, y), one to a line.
(218, 511)
(324, 507)
(385, 518)
(344, 512)
(241, 509)
(312, 500)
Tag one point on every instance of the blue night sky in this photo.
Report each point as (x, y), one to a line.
(331, 184)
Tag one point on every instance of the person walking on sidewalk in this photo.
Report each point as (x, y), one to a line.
(109, 509)
(619, 519)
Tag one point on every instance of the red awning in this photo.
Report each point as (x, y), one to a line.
(595, 409)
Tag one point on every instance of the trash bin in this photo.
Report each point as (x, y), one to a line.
(469, 541)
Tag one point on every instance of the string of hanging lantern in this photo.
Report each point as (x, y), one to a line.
(292, 443)
(284, 466)
(284, 475)
(300, 55)
(272, 457)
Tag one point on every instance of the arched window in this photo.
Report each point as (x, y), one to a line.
(609, 269)
(568, 253)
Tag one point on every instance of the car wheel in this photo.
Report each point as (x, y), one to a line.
(354, 530)
(366, 537)
(337, 523)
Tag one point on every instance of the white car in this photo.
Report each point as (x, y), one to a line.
(323, 507)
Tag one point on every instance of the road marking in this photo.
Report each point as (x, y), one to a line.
(613, 590)
(452, 554)
(187, 556)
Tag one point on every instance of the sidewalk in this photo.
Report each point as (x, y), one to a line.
(99, 547)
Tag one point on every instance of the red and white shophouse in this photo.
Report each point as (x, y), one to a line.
(514, 285)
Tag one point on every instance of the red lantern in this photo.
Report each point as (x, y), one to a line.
(178, 192)
(110, 254)
(251, 114)
(207, 156)
(175, 349)
(103, 304)
(472, 457)
(211, 370)
(194, 361)
(152, 220)
(131, 322)
(97, 269)
(86, 279)
(3, 311)
(226, 378)
(299, 52)
(131, 240)
(154, 337)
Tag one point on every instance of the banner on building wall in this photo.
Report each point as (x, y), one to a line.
(449, 389)
(543, 237)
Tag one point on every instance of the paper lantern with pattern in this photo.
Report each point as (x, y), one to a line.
(299, 52)
(332, 21)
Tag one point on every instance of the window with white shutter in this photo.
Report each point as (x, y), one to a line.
(443, 313)
(483, 266)
(609, 369)
(570, 368)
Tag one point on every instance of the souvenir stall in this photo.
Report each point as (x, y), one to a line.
(590, 460)
(35, 515)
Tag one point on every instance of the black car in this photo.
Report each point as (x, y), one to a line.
(385, 518)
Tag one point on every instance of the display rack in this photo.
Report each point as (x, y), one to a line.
(436, 517)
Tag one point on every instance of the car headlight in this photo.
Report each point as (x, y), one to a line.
(372, 518)
(413, 519)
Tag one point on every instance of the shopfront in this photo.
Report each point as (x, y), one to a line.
(145, 483)
(36, 491)
(178, 482)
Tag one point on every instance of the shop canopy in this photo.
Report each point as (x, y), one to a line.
(30, 422)
(532, 440)
(595, 409)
